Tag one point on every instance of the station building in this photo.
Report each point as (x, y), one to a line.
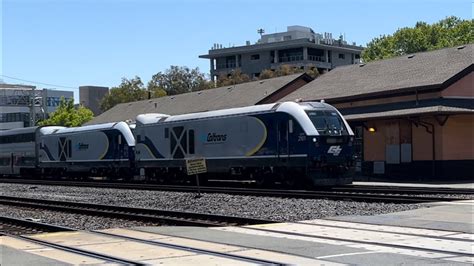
(299, 47)
(413, 115)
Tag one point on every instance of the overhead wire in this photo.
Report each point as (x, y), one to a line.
(37, 82)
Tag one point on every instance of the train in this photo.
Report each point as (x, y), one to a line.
(291, 143)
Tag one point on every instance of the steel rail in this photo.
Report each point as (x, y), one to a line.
(191, 249)
(375, 243)
(44, 227)
(369, 196)
(130, 213)
(23, 225)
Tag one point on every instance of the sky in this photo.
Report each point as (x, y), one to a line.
(65, 44)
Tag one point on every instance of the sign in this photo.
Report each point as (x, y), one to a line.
(196, 166)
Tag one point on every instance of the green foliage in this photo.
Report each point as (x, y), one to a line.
(285, 70)
(176, 80)
(129, 90)
(235, 77)
(314, 73)
(266, 74)
(449, 32)
(67, 115)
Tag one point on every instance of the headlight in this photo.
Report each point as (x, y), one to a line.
(315, 140)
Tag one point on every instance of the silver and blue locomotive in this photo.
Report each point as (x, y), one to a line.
(97, 150)
(284, 142)
(290, 143)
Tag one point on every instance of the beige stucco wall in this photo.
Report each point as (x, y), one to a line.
(461, 88)
(453, 141)
(374, 142)
(457, 139)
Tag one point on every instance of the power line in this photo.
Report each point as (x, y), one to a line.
(41, 83)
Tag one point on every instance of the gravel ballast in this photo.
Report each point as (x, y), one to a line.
(72, 220)
(272, 208)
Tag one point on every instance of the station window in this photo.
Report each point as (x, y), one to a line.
(255, 57)
(342, 56)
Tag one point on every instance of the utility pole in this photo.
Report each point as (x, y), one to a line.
(32, 107)
(36, 99)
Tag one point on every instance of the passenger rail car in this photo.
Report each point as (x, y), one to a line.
(17, 151)
(97, 150)
(288, 142)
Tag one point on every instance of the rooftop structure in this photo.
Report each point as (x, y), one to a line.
(90, 97)
(299, 47)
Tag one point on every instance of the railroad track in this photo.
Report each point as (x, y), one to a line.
(352, 193)
(20, 229)
(129, 213)
(13, 226)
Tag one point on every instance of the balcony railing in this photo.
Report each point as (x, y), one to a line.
(290, 58)
(316, 58)
(227, 65)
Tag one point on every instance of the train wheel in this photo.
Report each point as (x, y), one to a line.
(289, 181)
(260, 179)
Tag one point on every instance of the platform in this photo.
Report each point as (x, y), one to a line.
(457, 185)
(440, 233)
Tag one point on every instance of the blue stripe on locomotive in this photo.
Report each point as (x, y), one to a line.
(299, 142)
(115, 150)
(149, 144)
(272, 122)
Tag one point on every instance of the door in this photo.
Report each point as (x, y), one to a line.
(15, 163)
(283, 144)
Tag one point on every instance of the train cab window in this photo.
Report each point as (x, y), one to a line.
(119, 139)
(290, 126)
(167, 133)
(327, 121)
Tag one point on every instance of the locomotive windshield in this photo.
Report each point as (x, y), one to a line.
(327, 122)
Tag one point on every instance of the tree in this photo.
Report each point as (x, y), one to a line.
(176, 80)
(266, 74)
(129, 90)
(285, 70)
(235, 77)
(448, 32)
(67, 115)
(313, 72)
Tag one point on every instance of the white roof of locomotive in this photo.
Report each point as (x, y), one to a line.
(297, 110)
(121, 126)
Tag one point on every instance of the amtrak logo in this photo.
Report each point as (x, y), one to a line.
(335, 150)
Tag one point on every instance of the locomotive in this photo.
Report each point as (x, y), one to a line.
(290, 143)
